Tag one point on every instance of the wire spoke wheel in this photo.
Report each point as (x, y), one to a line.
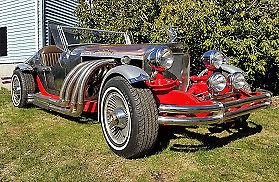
(129, 118)
(22, 85)
(116, 116)
(16, 90)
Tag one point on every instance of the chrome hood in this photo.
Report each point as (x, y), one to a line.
(134, 51)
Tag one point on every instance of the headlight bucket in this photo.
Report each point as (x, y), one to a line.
(217, 82)
(214, 59)
(161, 58)
(237, 80)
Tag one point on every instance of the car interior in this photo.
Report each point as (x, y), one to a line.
(50, 55)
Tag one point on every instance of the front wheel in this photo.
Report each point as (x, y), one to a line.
(128, 117)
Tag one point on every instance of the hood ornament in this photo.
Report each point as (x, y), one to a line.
(171, 33)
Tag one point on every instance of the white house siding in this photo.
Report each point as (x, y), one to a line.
(59, 12)
(40, 23)
(19, 18)
(24, 38)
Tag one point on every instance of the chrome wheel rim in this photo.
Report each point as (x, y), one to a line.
(116, 118)
(16, 90)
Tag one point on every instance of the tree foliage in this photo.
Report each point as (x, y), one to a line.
(246, 30)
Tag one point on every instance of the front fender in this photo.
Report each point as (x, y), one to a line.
(132, 73)
(231, 69)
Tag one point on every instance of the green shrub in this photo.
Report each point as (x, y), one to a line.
(246, 30)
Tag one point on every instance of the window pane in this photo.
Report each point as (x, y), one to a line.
(3, 41)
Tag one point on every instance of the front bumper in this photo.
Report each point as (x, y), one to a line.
(217, 113)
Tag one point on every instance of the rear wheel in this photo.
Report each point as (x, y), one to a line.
(129, 118)
(22, 85)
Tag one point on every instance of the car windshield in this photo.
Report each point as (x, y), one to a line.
(67, 36)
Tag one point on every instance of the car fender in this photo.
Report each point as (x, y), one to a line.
(24, 67)
(231, 69)
(132, 73)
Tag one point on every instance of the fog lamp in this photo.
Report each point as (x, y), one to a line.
(217, 82)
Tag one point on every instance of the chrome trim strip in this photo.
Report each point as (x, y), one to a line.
(190, 121)
(240, 102)
(175, 109)
(104, 55)
(240, 112)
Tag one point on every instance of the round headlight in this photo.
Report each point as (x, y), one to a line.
(213, 59)
(217, 82)
(237, 80)
(161, 58)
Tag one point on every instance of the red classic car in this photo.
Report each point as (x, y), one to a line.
(134, 88)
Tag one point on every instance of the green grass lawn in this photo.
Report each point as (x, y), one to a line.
(38, 145)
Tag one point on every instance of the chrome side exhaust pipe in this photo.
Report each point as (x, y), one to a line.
(78, 91)
(71, 84)
(73, 87)
(67, 79)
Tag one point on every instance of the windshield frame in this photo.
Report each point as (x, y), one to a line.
(61, 41)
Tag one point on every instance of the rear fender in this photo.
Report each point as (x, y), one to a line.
(24, 67)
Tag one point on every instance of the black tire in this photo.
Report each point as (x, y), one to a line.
(129, 118)
(22, 85)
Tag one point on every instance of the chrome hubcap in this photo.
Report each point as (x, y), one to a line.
(16, 90)
(116, 116)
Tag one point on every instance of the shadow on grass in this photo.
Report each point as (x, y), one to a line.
(208, 141)
(167, 133)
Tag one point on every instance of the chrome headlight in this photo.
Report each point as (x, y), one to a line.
(237, 80)
(217, 82)
(214, 59)
(161, 58)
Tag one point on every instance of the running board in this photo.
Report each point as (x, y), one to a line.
(52, 104)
